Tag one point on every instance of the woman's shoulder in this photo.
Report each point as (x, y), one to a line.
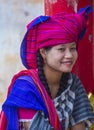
(74, 78)
(75, 82)
(23, 75)
(21, 80)
(24, 80)
(22, 83)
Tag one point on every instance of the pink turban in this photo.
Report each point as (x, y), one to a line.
(47, 31)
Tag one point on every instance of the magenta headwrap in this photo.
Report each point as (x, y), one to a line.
(47, 31)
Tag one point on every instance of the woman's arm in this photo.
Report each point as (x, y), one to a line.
(80, 126)
(27, 125)
(82, 115)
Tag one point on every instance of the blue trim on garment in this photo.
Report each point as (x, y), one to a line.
(24, 94)
(23, 47)
(87, 10)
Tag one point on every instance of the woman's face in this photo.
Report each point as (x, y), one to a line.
(61, 57)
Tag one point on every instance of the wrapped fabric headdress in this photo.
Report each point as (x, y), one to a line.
(47, 31)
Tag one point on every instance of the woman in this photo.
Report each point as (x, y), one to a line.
(47, 96)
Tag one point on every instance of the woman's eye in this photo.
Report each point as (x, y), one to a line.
(61, 49)
(73, 48)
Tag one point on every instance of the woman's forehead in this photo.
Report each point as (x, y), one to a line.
(66, 44)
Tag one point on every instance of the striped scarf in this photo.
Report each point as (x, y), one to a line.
(11, 104)
(47, 31)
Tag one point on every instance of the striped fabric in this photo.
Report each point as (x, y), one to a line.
(42, 123)
(72, 106)
(47, 31)
(33, 96)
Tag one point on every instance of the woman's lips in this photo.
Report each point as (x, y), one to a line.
(67, 62)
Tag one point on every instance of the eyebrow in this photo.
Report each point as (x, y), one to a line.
(73, 44)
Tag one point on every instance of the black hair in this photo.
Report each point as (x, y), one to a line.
(41, 73)
(64, 79)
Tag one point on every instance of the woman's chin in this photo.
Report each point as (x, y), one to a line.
(67, 70)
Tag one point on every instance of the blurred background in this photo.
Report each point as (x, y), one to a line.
(14, 16)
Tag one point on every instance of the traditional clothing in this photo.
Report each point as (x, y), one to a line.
(72, 105)
(36, 98)
(27, 93)
(45, 31)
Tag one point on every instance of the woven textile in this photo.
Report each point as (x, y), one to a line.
(47, 31)
(72, 107)
(37, 99)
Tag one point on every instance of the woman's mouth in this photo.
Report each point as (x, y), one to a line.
(68, 63)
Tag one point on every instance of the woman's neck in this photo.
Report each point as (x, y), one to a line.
(53, 77)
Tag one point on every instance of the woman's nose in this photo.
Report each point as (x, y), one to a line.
(68, 54)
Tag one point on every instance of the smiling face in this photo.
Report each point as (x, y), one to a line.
(60, 58)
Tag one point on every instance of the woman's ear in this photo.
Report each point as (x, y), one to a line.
(43, 53)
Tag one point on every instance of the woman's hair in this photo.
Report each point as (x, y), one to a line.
(41, 73)
(64, 79)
